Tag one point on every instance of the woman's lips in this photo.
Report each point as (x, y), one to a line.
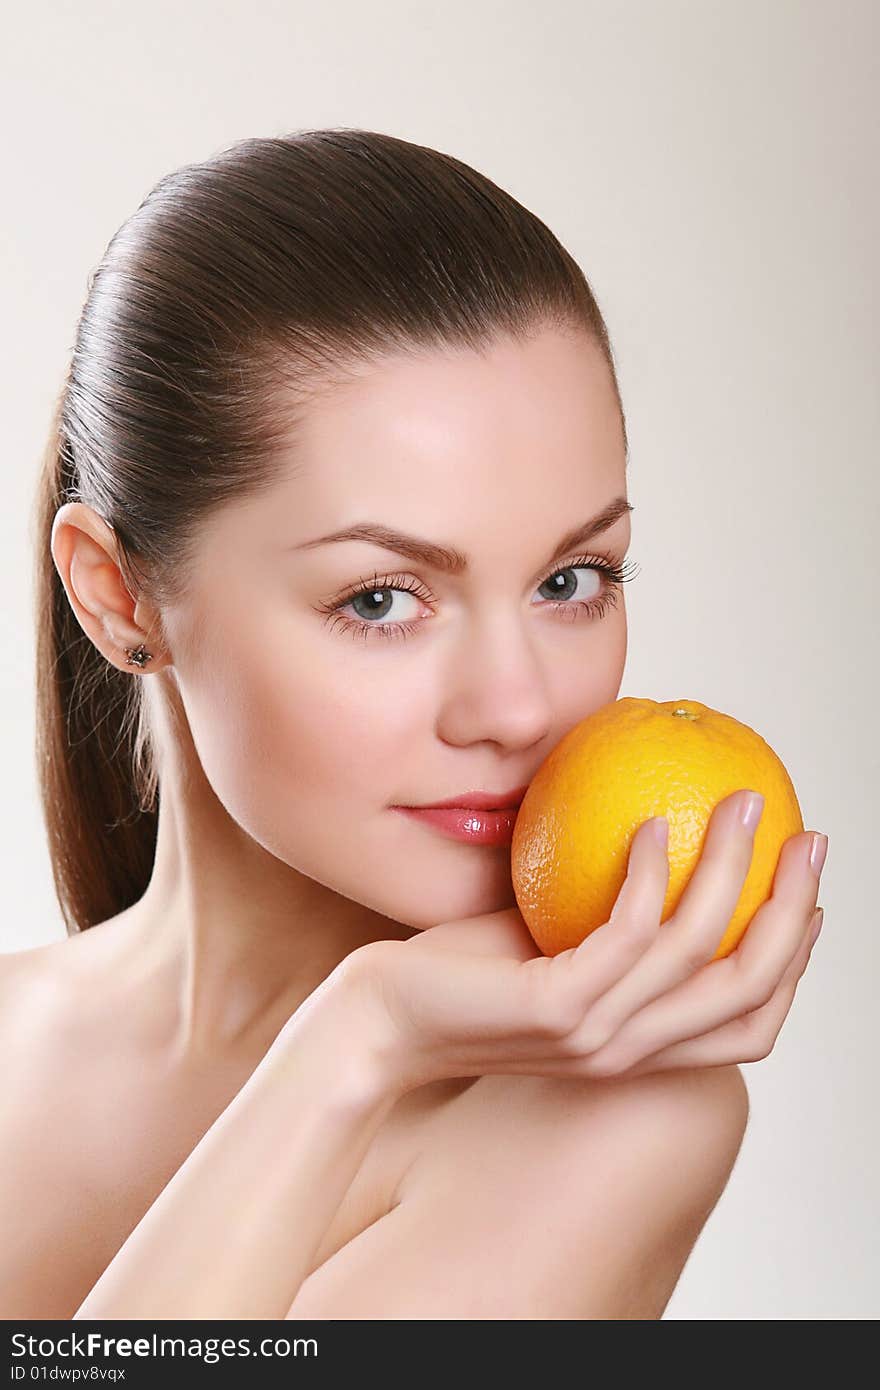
(466, 824)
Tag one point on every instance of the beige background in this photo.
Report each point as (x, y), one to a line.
(713, 167)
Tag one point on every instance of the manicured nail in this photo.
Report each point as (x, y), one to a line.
(750, 811)
(817, 925)
(818, 850)
(660, 826)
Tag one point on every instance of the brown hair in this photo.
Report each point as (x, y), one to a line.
(238, 285)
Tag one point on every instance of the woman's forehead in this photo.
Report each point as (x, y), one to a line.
(462, 423)
(449, 448)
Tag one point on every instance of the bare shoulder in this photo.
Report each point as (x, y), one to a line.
(38, 984)
(714, 1098)
(542, 1197)
(24, 976)
(692, 1119)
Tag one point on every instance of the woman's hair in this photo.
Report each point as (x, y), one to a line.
(240, 285)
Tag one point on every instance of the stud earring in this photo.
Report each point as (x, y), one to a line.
(137, 656)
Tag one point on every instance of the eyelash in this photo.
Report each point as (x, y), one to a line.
(615, 576)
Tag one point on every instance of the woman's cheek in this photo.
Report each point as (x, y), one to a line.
(329, 728)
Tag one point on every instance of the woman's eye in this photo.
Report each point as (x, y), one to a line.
(561, 586)
(376, 604)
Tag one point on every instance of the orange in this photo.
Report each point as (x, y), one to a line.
(628, 761)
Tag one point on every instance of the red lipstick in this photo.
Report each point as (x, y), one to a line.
(477, 818)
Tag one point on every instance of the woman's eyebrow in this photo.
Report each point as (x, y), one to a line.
(447, 558)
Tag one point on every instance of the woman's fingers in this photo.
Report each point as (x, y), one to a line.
(703, 913)
(740, 983)
(772, 935)
(749, 1038)
(690, 937)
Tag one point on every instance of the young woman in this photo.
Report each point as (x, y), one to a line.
(333, 526)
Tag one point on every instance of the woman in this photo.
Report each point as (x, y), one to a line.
(333, 523)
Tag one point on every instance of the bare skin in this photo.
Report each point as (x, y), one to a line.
(284, 745)
(88, 1146)
(500, 1196)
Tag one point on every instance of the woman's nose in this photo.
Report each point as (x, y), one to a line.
(495, 688)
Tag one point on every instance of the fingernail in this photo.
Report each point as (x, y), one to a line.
(660, 826)
(817, 925)
(818, 850)
(750, 810)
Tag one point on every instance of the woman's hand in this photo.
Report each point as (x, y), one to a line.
(477, 996)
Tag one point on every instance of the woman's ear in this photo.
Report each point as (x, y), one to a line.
(85, 552)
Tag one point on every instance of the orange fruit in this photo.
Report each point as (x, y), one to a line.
(628, 761)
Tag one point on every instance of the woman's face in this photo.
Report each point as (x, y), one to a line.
(312, 715)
